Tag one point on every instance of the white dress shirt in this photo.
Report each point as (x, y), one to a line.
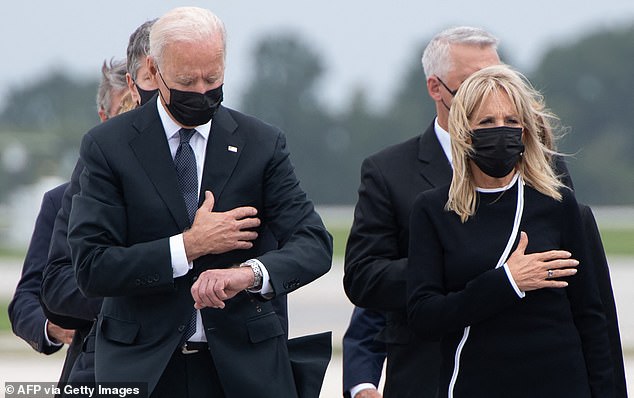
(445, 140)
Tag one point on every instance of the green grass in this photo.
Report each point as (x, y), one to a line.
(340, 237)
(618, 241)
(4, 316)
(12, 252)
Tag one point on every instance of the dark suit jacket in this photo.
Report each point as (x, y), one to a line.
(65, 304)
(61, 299)
(119, 229)
(25, 312)
(376, 257)
(60, 294)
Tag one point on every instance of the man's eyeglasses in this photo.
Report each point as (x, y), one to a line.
(452, 92)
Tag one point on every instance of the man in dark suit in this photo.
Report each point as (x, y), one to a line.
(161, 259)
(43, 329)
(27, 317)
(376, 254)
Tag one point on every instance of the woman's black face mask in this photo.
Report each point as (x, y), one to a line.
(496, 150)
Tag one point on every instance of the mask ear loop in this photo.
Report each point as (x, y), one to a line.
(450, 91)
(163, 80)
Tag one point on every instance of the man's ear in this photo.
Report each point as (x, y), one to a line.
(151, 66)
(433, 88)
(132, 88)
(103, 116)
(128, 81)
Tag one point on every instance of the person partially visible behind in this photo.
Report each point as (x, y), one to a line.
(60, 293)
(29, 319)
(532, 324)
(139, 80)
(127, 103)
(112, 88)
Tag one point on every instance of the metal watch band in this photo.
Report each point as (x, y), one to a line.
(257, 274)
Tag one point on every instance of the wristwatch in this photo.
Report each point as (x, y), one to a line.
(257, 274)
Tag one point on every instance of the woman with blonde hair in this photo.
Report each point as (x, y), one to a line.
(523, 325)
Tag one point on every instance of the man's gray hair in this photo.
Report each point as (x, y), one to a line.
(436, 57)
(185, 24)
(138, 47)
(112, 81)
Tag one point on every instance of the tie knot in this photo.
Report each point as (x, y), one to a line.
(186, 135)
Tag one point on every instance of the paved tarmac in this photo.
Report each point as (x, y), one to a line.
(317, 307)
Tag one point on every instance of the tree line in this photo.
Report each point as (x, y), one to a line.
(588, 84)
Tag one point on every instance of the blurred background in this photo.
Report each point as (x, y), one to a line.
(343, 80)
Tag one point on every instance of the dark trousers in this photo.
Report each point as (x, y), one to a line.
(189, 376)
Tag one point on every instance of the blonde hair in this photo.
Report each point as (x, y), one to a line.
(126, 103)
(534, 165)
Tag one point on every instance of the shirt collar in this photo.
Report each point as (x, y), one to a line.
(500, 189)
(170, 126)
(444, 139)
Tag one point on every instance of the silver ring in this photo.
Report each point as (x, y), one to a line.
(550, 274)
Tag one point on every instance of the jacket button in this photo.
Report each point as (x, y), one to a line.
(181, 328)
(195, 278)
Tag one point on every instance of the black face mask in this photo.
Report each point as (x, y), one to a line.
(193, 109)
(145, 95)
(497, 149)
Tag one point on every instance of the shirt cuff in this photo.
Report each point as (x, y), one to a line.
(267, 289)
(180, 265)
(520, 293)
(360, 387)
(47, 340)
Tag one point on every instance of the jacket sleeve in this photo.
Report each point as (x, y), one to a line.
(586, 305)
(363, 354)
(375, 271)
(97, 232)
(599, 263)
(25, 312)
(305, 250)
(60, 292)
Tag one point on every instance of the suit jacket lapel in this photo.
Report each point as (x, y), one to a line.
(223, 151)
(434, 165)
(152, 151)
